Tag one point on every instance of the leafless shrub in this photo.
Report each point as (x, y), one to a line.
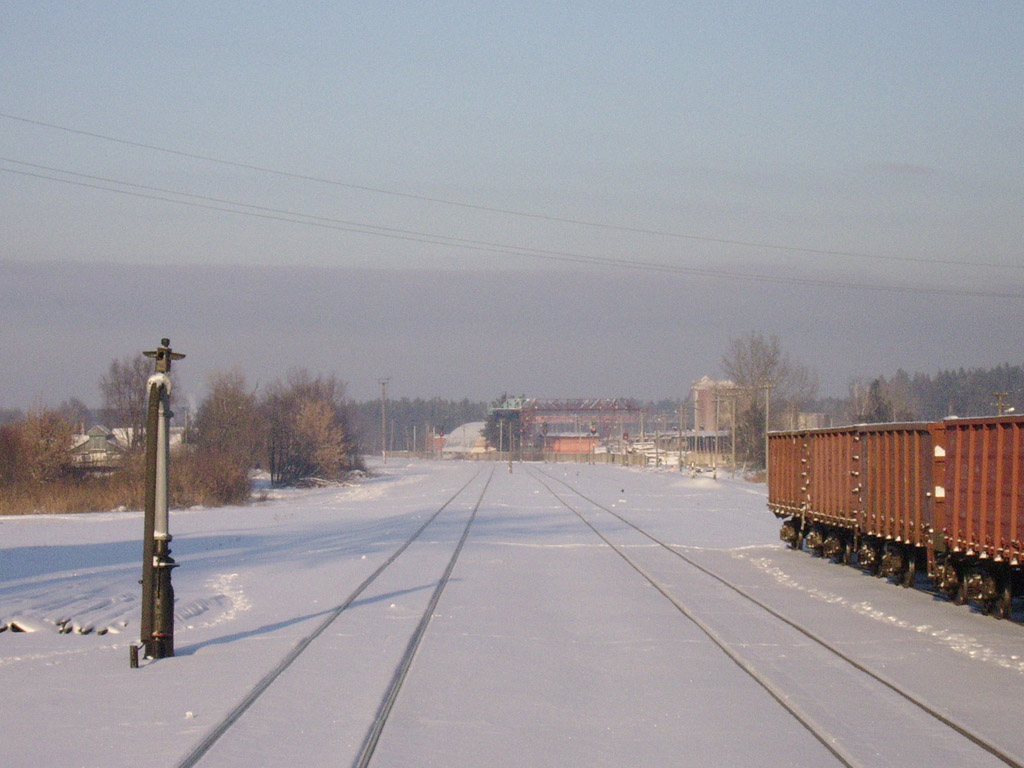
(125, 396)
(46, 438)
(209, 479)
(307, 428)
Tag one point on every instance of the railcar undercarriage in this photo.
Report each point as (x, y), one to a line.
(961, 578)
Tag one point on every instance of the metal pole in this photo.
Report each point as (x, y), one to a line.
(157, 624)
(682, 406)
(163, 598)
(149, 525)
(732, 435)
(767, 421)
(160, 518)
(714, 463)
(384, 419)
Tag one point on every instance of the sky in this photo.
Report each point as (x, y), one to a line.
(849, 176)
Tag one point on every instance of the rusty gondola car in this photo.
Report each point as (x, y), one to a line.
(979, 510)
(812, 483)
(895, 497)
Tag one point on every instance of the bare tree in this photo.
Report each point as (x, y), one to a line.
(229, 421)
(755, 361)
(125, 396)
(757, 364)
(77, 412)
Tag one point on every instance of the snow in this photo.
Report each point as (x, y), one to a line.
(546, 648)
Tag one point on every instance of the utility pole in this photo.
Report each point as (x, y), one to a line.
(714, 462)
(732, 434)
(384, 418)
(156, 633)
(682, 407)
(768, 386)
(1000, 403)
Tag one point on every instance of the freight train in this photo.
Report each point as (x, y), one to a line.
(900, 500)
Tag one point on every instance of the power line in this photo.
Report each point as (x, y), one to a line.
(505, 211)
(483, 246)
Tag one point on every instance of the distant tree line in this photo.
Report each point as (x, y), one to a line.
(410, 422)
(923, 397)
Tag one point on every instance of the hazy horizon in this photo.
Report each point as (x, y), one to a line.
(455, 334)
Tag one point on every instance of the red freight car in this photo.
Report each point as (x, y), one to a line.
(863, 488)
(787, 494)
(895, 497)
(947, 494)
(979, 510)
(817, 471)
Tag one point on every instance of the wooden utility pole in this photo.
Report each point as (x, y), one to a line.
(384, 418)
(1000, 403)
(768, 386)
(682, 407)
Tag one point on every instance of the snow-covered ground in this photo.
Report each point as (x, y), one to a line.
(546, 649)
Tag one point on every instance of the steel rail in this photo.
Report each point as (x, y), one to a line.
(197, 753)
(946, 720)
(374, 734)
(802, 717)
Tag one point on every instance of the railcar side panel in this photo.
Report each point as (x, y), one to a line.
(984, 487)
(896, 462)
(787, 492)
(833, 480)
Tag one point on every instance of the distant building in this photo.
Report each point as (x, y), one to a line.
(607, 418)
(465, 440)
(570, 443)
(812, 421)
(98, 448)
(101, 448)
(712, 407)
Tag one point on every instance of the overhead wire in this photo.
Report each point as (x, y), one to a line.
(505, 211)
(264, 212)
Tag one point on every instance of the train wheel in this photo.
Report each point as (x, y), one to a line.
(960, 596)
(1003, 606)
(798, 542)
(909, 576)
(875, 569)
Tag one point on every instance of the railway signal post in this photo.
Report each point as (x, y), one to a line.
(156, 634)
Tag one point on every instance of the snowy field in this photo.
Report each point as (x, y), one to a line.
(564, 637)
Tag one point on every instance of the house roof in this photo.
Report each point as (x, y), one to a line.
(465, 438)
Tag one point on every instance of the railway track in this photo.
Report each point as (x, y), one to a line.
(847, 706)
(457, 507)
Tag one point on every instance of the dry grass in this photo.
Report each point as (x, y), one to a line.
(72, 495)
(194, 480)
